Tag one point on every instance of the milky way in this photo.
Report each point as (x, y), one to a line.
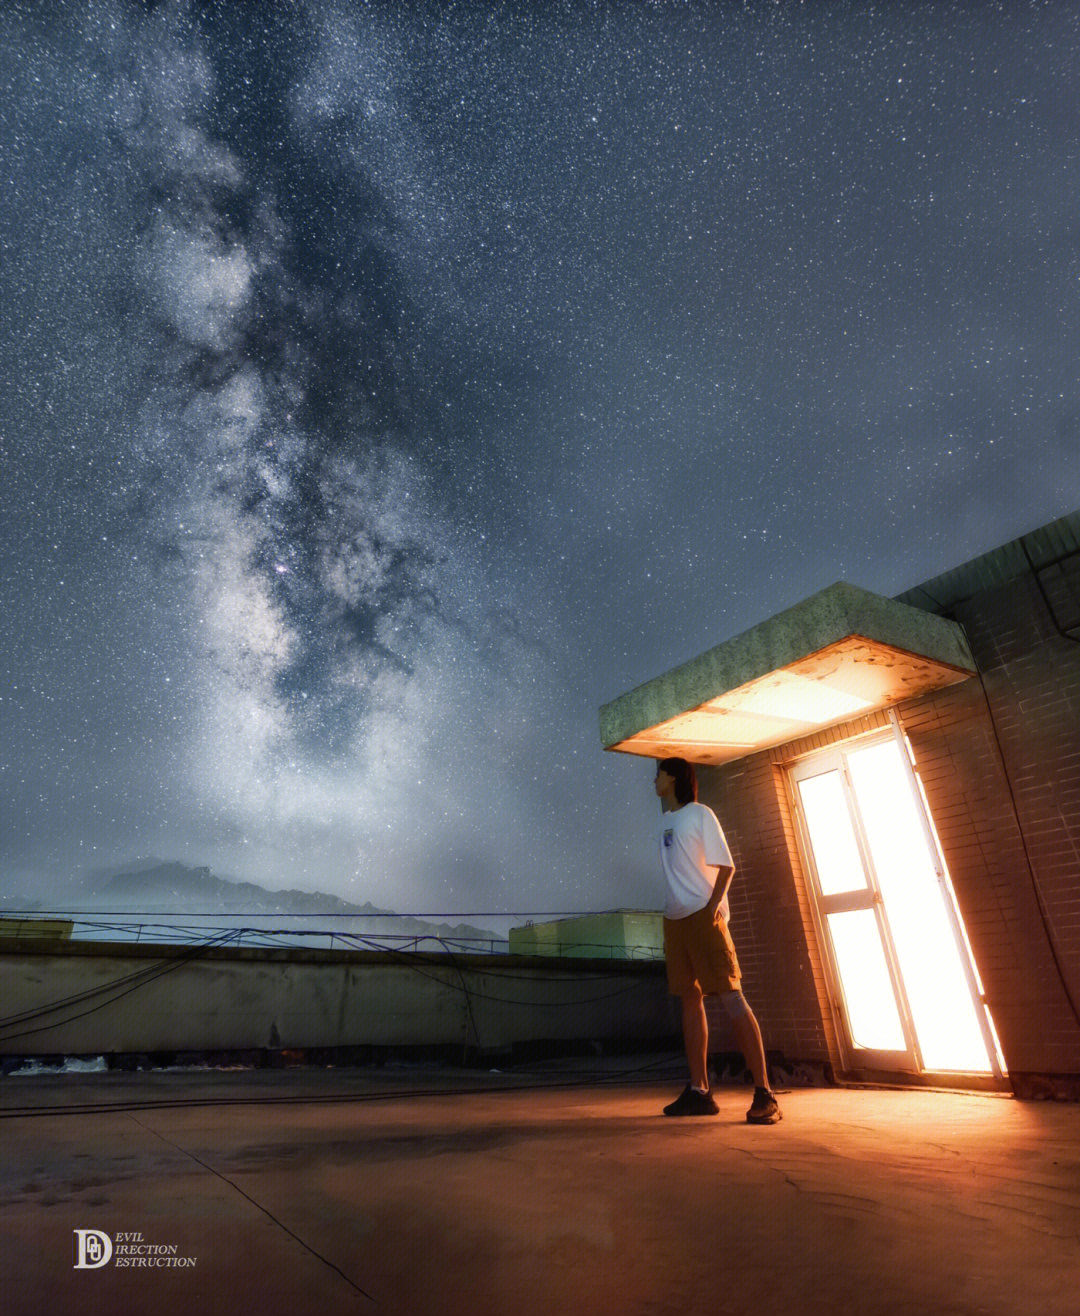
(388, 386)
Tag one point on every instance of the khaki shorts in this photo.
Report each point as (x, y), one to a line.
(698, 949)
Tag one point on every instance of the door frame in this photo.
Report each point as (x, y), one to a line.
(853, 1058)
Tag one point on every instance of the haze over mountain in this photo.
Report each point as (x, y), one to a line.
(167, 887)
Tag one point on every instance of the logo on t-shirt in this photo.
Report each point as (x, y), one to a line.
(669, 838)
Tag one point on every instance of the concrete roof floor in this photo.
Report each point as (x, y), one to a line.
(452, 1192)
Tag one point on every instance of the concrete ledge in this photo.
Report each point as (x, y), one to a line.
(312, 955)
(937, 649)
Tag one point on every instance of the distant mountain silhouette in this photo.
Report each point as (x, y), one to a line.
(18, 901)
(175, 888)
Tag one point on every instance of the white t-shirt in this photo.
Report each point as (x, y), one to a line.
(692, 846)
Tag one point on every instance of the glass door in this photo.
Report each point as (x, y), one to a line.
(902, 974)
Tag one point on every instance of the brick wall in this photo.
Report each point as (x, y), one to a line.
(1013, 854)
(1015, 867)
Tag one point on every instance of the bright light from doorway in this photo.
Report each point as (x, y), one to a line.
(836, 851)
(938, 989)
(860, 960)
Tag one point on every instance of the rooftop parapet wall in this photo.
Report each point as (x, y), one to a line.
(49, 928)
(126, 997)
(1038, 551)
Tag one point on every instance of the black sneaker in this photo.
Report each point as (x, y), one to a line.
(764, 1109)
(690, 1102)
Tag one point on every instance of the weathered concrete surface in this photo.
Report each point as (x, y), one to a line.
(818, 623)
(575, 1200)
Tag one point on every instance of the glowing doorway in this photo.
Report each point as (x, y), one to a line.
(904, 981)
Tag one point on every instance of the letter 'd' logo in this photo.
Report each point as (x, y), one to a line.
(92, 1249)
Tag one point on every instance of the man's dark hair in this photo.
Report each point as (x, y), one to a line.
(685, 778)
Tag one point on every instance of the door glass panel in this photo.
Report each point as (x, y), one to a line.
(832, 836)
(864, 974)
(943, 1010)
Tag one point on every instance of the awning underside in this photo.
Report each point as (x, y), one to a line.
(779, 682)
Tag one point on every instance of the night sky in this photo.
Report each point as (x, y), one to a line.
(385, 387)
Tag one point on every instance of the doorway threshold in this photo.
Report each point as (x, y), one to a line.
(937, 1082)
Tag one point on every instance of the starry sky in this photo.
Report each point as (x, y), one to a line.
(388, 386)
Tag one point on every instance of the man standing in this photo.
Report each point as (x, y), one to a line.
(698, 948)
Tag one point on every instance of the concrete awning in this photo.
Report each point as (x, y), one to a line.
(840, 653)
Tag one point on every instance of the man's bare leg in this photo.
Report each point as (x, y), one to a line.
(695, 1028)
(748, 1039)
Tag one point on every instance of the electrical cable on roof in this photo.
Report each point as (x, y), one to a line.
(358, 940)
(149, 972)
(217, 913)
(145, 976)
(586, 1078)
(505, 1000)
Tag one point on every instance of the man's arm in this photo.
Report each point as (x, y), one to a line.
(724, 874)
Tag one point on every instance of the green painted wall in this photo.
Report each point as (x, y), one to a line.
(625, 934)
